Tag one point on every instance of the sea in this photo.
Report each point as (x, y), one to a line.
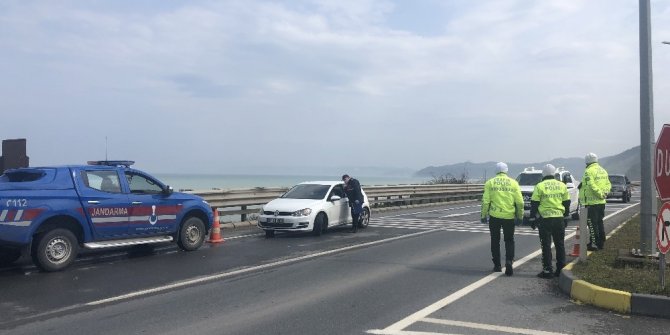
(197, 182)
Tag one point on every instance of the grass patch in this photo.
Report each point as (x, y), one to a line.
(600, 268)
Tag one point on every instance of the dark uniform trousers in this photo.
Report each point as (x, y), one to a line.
(595, 216)
(552, 229)
(507, 226)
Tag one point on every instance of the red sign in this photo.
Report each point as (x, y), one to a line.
(662, 166)
(663, 228)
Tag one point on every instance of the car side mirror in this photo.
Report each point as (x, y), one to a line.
(335, 198)
(168, 190)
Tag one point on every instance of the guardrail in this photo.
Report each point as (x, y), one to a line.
(246, 201)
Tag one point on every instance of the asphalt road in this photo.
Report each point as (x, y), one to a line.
(411, 272)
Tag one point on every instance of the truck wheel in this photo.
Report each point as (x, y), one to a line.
(55, 249)
(191, 234)
(9, 256)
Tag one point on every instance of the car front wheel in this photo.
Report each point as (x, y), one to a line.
(191, 234)
(320, 224)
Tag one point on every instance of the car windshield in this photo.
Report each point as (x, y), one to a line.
(529, 179)
(617, 179)
(307, 191)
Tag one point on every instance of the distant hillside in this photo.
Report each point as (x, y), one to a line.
(627, 162)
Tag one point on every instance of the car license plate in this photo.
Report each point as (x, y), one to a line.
(270, 220)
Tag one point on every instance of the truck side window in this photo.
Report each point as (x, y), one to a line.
(105, 181)
(142, 185)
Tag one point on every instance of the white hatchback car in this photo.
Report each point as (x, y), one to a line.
(310, 206)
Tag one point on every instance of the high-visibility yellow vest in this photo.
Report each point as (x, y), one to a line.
(502, 198)
(550, 193)
(595, 185)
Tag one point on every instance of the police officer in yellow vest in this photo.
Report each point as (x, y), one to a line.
(502, 204)
(593, 194)
(549, 208)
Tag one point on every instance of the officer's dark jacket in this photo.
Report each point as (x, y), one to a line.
(353, 190)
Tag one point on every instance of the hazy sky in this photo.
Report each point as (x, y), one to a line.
(244, 86)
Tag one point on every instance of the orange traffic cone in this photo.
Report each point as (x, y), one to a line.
(575, 247)
(215, 234)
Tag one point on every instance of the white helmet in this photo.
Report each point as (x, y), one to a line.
(501, 167)
(591, 158)
(548, 170)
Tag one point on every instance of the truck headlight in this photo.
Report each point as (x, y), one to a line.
(302, 212)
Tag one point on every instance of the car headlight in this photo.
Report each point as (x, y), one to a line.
(302, 212)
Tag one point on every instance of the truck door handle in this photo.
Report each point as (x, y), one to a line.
(93, 202)
(136, 202)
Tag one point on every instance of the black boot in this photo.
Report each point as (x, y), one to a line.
(496, 264)
(509, 270)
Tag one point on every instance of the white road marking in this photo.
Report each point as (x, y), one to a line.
(449, 225)
(470, 325)
(459, 214)
(431, 211)
(223, 275)
(489, 327)
(398, 327)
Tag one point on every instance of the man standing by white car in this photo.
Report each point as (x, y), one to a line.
(353, 190)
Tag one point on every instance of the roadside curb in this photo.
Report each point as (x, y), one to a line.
(615, 300)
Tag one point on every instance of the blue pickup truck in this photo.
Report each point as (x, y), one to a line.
(50, 213)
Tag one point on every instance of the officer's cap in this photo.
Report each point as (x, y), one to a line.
(501, 167)
(590, 158)
(548, 170)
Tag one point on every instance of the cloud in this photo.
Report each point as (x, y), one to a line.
(414, 84)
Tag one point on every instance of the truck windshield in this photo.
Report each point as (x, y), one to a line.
(307, 191)
(617, 179)
(529, 179)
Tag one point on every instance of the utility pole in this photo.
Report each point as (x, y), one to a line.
(648, 192)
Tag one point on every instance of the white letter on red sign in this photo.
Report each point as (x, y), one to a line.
(659, 162)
